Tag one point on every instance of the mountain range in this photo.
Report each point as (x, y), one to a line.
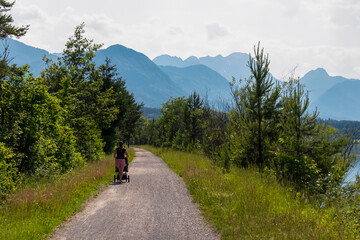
(335, 97)
(143, 77)
(234, 65)
(154, 81)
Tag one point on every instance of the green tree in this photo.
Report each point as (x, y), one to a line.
(33, 125)
(181, 123)
(297, 128)
(7, 29)
(9, 175)
(99, 108)
(216, 136)
(256, 113)
(307, 152)
(128, 111)
(193, 118)
(171, 123)
(76, 81)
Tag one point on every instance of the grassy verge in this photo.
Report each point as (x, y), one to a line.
(247, 205)
(35, 210)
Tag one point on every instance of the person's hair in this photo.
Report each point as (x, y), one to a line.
(121, 144)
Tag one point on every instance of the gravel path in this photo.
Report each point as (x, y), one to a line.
(154, 205)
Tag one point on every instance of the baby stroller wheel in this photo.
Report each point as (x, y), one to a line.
(128, 178)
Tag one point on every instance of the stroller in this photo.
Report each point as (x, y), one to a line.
(125, 175)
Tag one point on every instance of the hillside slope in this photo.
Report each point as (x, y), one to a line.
(144, 78)
(201, 79)
(340, 102)
(22, 54)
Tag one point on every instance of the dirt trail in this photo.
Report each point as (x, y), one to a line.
(154, 205)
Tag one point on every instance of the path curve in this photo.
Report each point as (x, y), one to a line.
(154, 205)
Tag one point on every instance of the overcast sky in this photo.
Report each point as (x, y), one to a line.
(305, 34)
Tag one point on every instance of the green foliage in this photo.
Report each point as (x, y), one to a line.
(98, 107)
(346, 200)
(127, 111)
(6, 20)
(271, 127)
(75, 81)
(268, 127)
(194, 111)
(146, 133)
(307, 152)
(63, 119)
(181, 125)
(256, 112)
(9, 175)
(216, 141)
(32, 123)
(172, 122)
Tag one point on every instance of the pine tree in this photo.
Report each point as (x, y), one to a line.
(6, 20)
(257, 107)
(307, 152)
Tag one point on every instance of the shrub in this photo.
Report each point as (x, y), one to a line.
(9, 175)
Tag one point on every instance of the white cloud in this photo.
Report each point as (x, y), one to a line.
(215, 30)
(175, 30)
(25, 14)
(346, 16)
(102, 25)
(336, 60)
(307, 33)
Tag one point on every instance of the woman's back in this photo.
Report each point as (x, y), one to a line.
(120, 153)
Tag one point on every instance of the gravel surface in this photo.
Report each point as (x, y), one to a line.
(154, 205)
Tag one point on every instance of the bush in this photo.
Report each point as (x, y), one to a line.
(9, 175)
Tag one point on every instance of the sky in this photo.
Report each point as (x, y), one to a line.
(298, 35)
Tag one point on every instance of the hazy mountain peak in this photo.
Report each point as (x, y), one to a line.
(191, 58)
(23, 47)
(143, 77)
(234, 65)
(340, 101)
(167, 60)
(317, 73)
(120, 48)
(201, 79)
(238, 54)
(21, 54)
(169, 56)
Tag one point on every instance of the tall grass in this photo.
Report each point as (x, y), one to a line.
(245, 204)
(37, 208)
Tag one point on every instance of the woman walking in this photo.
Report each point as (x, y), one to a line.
(120, 154)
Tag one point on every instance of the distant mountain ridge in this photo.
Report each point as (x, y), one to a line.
(318, 81)
(154, 82)
(234, 65)
(22, 54)
(201, 79)
(144, 78)
(340, 100)
(334, 97)
(150, 84)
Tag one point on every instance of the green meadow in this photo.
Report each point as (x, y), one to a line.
(245, 204)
